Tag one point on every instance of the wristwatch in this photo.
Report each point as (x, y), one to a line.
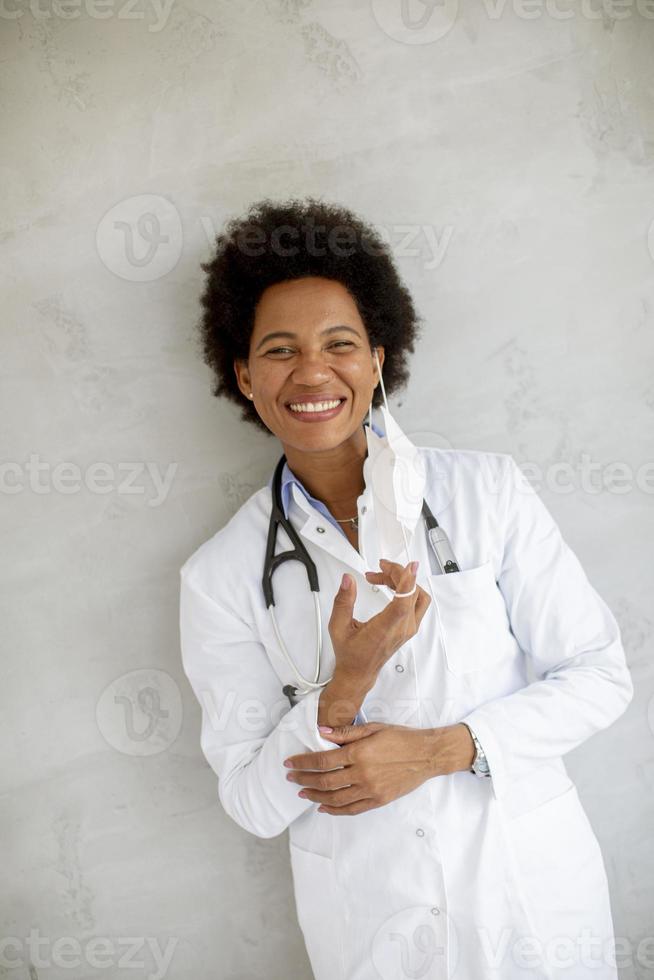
(479, 765)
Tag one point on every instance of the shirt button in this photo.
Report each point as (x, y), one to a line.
(375, 588)
(435, 911)
(364, 509)
(320, 530)
(420, 832)
(399, 668)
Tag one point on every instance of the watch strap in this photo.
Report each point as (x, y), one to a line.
(479, 765)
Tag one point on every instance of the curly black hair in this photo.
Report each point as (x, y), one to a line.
(250, 255)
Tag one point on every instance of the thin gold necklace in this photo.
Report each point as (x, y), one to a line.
(351, 520)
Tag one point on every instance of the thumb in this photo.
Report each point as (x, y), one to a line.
(344, 603)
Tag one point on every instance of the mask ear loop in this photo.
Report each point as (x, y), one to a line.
(381, 381)
(403, 529)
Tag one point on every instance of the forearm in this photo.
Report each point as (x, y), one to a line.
(341, 699)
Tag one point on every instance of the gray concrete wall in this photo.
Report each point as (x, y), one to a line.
(507, 151)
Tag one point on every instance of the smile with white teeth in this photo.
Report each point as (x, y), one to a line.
(314, 406)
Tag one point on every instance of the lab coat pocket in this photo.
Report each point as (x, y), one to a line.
(474, 621)
(318, 911)
(561, 870)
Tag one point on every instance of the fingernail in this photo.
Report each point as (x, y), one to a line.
(325, 728)
(302, 793)
(345, 582)
(287, 762)
(414, 567)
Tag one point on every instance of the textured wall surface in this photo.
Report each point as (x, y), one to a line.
(507, 151)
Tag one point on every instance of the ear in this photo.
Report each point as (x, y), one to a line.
(242, 373)
(381, 353)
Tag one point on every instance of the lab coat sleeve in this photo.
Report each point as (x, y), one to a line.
(247, 726)
(564, 626)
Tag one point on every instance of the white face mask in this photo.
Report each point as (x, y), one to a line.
(395, 472)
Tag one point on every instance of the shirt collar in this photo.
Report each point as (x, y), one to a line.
(289, 478)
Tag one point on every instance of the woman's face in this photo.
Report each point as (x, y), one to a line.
(309, 344)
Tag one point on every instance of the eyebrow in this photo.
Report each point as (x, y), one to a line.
(289, 333)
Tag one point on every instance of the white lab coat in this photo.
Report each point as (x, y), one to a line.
(464, 877)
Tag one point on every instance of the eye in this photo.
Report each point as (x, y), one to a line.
(278, 350)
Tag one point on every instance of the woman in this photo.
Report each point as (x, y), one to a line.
(405, 862)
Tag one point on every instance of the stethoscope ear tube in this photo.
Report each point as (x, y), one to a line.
(299, 553)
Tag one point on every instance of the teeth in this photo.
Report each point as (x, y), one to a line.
(314, 406)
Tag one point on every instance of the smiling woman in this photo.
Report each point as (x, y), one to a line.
(332, 243)
(332, 298)
(397, 849)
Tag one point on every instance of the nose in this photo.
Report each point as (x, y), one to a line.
(311, 368)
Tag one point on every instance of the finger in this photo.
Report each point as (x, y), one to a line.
(407, 583)
(351, 733)
(395, 576)
(318, 760)
(349, 809)
(338, 779)
(336, 798)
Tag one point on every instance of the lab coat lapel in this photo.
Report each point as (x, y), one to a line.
(321, 532)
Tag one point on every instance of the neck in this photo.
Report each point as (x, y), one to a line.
(334, 476)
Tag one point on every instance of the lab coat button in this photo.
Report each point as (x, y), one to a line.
(320, 530)
(375, 588)
(435, 911)
(420, 832)
(399, 668)
(364, 509)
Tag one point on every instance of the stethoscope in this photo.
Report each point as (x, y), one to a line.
(438, 540)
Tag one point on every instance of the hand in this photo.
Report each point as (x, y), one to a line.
(378, 763)
(361, 649)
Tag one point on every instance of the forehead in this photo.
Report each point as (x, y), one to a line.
(302, 304)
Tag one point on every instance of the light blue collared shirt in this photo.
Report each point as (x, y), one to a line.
(288, 479)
